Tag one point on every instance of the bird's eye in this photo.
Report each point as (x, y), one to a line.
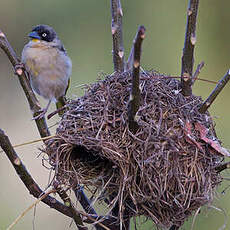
(44, 35)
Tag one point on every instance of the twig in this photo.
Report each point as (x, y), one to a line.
(222, 167)
(67, 201)
(116, 28)
(189, 44)
(108, 221)
(197, 72)
(134, 101)
(29, 208)
(174, 227)
(215, 93)
(31, 98)
(56, 111)
(32, 142)
(129, 62)
(83, 199)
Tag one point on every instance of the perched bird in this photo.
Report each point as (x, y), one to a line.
(48, 65)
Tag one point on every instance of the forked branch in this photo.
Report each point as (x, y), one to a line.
(207, 103)
(116, 28)
(134, 101)
(188, 51)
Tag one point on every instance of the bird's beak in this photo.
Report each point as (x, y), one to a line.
(34, 35)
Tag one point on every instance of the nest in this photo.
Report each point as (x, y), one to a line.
(165, 171)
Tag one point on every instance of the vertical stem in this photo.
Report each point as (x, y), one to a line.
(188, 51)
(134, 101)
(116, 28)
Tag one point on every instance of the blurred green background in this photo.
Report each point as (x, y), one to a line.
(84, 28)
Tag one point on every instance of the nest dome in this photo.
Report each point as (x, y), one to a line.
(165, 171)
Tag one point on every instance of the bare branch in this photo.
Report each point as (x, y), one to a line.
(222, 167)
(134, 101)
(129, 62)
(67, 201)
(215, 93)
(31, 98)
(85, 202)
(197, 72)
(174, 227)
(189, 44)
(116, 28)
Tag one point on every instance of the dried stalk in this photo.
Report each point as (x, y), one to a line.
(134, 101)
(188, 51)
(116, 28)
(207, 103)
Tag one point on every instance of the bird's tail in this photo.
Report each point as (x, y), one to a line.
(61, 102)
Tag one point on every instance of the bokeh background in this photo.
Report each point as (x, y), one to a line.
(84, 28)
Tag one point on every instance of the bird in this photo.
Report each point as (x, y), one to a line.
(48, 65)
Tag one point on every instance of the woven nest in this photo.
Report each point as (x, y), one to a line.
(165, 171)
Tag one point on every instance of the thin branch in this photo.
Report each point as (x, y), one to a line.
(83, 199)
(129, 62)
(207, 103)
(188, 51)
(174, 227)
(197, 72)
(222, 167)
(31, 98)
(134, 101)
(116, 28)
(67, 201)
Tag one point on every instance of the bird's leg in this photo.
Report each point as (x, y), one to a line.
(43, 112)
(19, 68)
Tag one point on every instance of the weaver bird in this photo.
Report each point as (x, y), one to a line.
(48, 65)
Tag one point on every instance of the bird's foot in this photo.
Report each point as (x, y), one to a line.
(41, 114)
(19, 68)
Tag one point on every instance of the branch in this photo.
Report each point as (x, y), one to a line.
(129, 62)
(116, 28)
(134, 101)
(67, 201)
(31, 98)
(85, 202)
(189, 44)
(197, 72)
(174, 227)
(215, 93)
(222, 167)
